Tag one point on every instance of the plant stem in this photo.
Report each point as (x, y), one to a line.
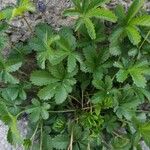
(62, 111)
(82, 98)
(20, 113)
(33, 135)
(41, 141)
(72, 97)
(30, 28)
(71, 141)
(145, 39)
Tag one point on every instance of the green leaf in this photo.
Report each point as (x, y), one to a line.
(133, 35)
(121, 143)
(61, 95)
(47, 92)
(90, 28)
(71, 63)
(42, 43)
(71, 12)
(22, 7)
(97, 3)
(102, 13)
(3, 41)
(8, 78)
(96, 62)
(145, 132)
(58, 81)
(6, 13)
(41, 78)
(134, 8)
(38, 110)
(60, 142)
(13, 136)
(122, 75)
(141, 21)
(13, 65)
(120, 13)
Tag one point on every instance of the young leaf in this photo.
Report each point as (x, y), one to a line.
(134, 8)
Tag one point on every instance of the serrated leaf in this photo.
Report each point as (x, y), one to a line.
(47, 92)
(60, 142)
(90, 28)
(71, 63)
(133, 35)
(121, 75)
(141, 21)
(38, 110)
(13, 65)
(102, 14)
(42, 43)
(41, 78)
(134, 8)
(61, 95)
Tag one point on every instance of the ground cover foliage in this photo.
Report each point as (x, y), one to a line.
(84, 87)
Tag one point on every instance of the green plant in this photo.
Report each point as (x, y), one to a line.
(81, 88)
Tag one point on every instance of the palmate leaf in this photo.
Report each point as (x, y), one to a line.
(42, 43)
(67, 50)
(96, 62)
(6, 67)
(14, 92)
(38, 110)
(136, 71)
(86, 10)
(129, 23)
(58, 85)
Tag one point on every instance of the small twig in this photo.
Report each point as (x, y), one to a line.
(30, 28)
(82, 98)
(116, 134)
(72, 97)
(71, 142)
(143, 111)
(33, 135)
(63, 111)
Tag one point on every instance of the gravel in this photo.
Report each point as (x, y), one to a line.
(52, 16)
